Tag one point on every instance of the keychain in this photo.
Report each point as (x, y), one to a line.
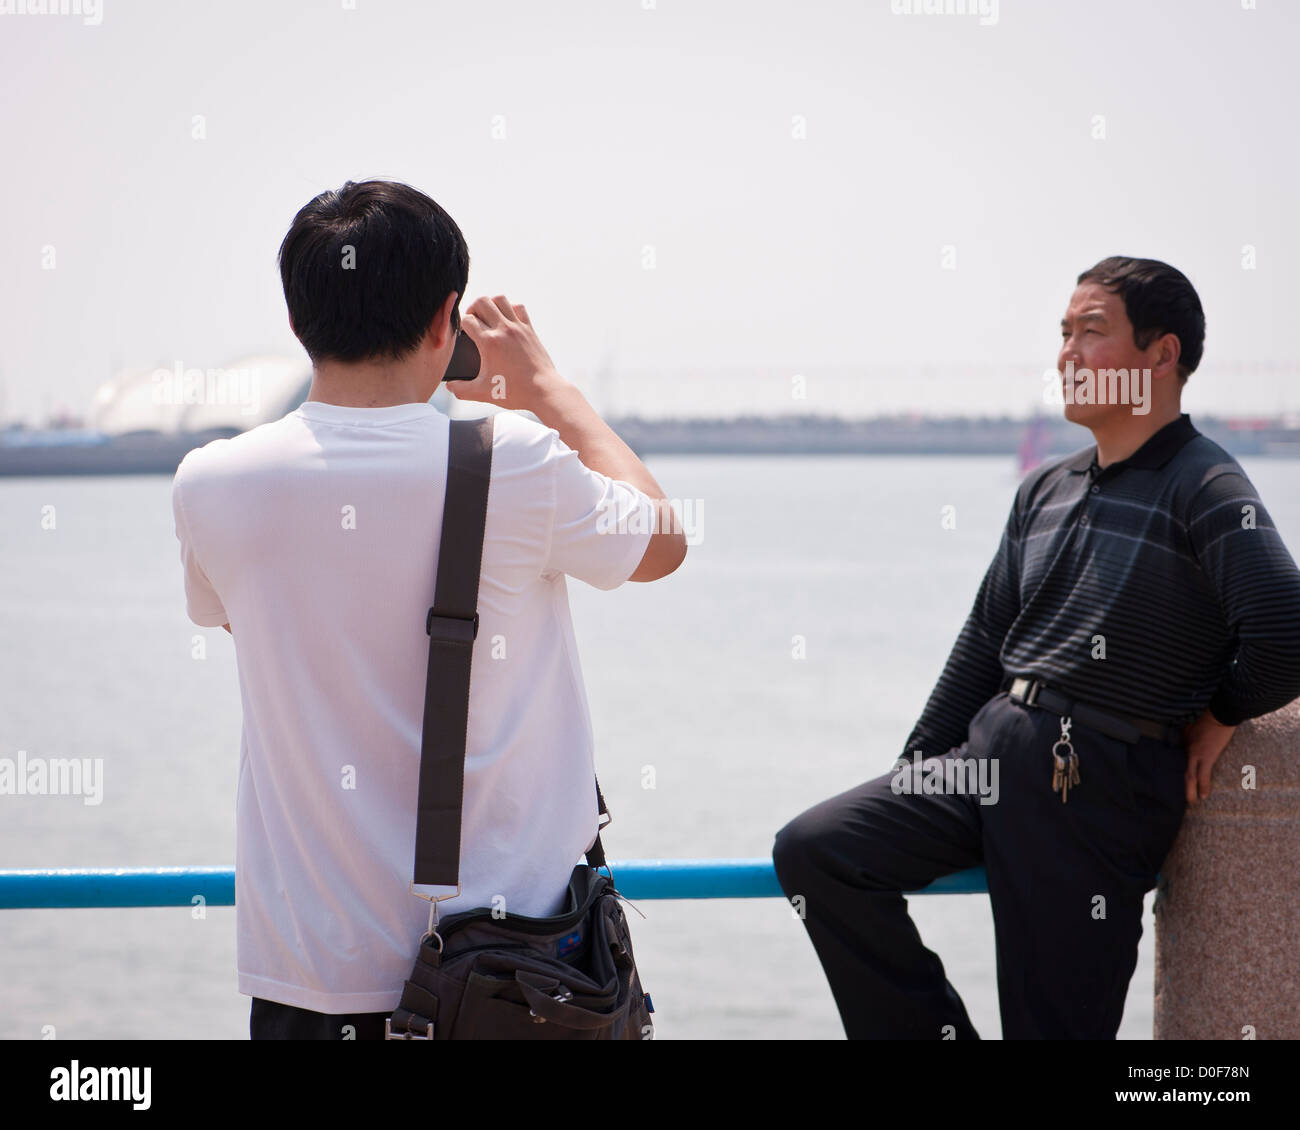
(1065, 771)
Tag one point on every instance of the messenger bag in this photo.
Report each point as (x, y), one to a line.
(487, 973)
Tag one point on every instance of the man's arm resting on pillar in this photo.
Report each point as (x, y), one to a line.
(1258, 587)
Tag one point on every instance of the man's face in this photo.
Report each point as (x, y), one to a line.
(1096, 335)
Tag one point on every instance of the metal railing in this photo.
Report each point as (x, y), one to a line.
(181, 886)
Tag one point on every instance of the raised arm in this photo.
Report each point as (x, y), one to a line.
(517, 372)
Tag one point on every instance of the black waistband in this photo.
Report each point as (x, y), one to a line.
(1034, 692)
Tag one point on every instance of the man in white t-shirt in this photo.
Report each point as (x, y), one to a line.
(314, 540)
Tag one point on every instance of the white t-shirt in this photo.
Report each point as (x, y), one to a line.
(316, 538)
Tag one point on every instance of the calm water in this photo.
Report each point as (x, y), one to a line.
(692, 677)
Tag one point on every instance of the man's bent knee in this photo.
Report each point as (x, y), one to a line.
(794, 851)
(812, 847)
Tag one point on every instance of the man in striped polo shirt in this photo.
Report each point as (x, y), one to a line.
(1140, 606)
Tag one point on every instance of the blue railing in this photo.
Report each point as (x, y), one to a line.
(180, 886)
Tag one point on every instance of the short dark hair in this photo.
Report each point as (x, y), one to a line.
(1158, 300)
(407, 256)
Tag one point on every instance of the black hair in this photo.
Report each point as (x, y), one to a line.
(1158, 300)
(378, 299)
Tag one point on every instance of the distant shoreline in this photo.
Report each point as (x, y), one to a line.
(78, 452)
(813, 435)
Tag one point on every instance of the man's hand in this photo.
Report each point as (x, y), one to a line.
(1206, 739)
(516, 371)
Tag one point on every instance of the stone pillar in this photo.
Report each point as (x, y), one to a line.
(1228, 905)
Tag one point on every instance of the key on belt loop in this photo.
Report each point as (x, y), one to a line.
(1065, 767)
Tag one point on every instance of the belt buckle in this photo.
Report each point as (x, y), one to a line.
(1026, 690)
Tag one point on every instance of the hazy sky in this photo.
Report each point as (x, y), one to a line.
(709, 195)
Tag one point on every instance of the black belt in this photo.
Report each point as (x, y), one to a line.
(1033, 692)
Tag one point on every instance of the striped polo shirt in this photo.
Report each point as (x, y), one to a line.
(1150, 588)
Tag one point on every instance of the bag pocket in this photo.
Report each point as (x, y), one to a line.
(528, 1004)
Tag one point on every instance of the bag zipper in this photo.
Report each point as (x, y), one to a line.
(446, 957)
(522, 923)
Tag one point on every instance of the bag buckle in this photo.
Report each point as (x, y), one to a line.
(563, 996)
(389, 1034)
(432, 931)
(453, 629)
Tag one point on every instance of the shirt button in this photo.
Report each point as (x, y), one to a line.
(1083, 521)
(1096, 490)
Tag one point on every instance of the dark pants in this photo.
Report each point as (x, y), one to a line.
(270, 1020)
(1066, 881)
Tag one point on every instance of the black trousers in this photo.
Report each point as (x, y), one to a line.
(270, 1020)
(1066, 881)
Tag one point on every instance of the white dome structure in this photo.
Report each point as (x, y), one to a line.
(249, 391)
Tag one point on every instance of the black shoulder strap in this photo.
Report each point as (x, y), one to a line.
(452, 625)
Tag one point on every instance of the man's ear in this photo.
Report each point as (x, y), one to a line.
(1169, 350)
(442, 320)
